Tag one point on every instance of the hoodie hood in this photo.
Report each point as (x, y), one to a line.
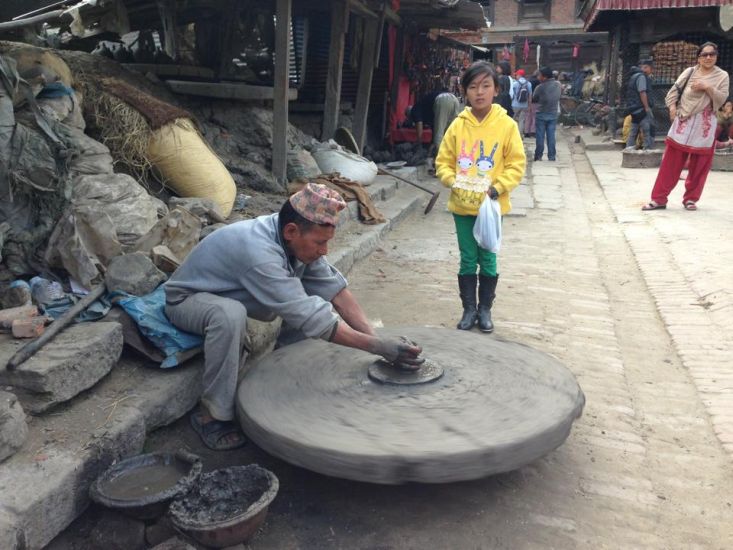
(496, 112)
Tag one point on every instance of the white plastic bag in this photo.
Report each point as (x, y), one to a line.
(487, 229)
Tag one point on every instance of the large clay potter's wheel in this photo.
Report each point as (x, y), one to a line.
(497, 406)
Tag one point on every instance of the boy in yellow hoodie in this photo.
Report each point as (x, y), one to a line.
(481, 156)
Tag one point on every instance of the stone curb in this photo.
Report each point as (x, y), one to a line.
(44, 487)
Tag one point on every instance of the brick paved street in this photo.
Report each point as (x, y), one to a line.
(620, 299)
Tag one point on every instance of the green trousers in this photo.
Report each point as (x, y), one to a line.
(472, 254)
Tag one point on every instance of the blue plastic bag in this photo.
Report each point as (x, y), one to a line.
(487, 229)
(149, 313)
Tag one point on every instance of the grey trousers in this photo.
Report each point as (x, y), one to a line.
(445, 109)
(520, 115)
(223, 324)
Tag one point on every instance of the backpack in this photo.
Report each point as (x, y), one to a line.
(523, 93)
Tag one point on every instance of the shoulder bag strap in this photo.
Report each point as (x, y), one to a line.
(681, 89)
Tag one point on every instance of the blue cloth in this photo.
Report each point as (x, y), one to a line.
(94, 312)
(545, 124)
(55, 89)
(148, 312)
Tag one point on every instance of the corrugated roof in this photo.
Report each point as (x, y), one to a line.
(591, 10)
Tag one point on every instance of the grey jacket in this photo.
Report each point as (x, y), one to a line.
(547, 95)
(247, 261)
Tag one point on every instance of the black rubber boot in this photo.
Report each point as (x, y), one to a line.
(486, 295)
(467, 289)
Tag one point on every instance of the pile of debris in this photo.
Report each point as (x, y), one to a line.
(91, 159)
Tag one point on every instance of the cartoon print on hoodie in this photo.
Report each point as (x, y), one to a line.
(465, 161)
(484, 163)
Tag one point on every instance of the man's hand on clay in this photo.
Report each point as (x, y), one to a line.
(399, 351)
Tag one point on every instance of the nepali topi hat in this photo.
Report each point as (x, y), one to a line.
(318, 203)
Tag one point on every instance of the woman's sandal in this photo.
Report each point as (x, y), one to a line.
(689, 205)
(651, 205)
(214, 432)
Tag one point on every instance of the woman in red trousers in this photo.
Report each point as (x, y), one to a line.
(693, 101)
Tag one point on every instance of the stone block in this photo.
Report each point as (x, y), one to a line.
(160, 532)
(642, 159)
(201, 207)
(11, 538)
(262, 336)
(7, 316)
(29, 328)
(72, 362)
(164, 259)
(174, 543)
(723, 162)
(133, 273)
(118, 532)
(13, 428)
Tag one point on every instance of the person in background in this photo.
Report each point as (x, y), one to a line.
(529, 121)
(481, 158)
(547, 98)
(436, 109)
(521, 96)
(640, 102)
(724, 128)
(692, 101)
(506, 83)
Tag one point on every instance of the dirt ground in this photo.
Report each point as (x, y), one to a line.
(641, 469)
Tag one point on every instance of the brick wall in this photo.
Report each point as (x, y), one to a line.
(563, 11)
(506, 13)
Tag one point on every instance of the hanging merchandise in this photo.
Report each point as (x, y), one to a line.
(576, 50)
(538, 55)
(505, 55)
(525, 50)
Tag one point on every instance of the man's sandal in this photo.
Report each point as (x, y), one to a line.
(690, 205)
(651, 205)
(214, 432)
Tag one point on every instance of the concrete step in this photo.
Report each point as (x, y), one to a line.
(45, 486)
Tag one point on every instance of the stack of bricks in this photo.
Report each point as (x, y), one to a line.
(23, 321)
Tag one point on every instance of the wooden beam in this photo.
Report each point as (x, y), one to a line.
(366, 71)
(167, 11)
(339, 26)
(612, 87)
(171, 70)
(378, 38)
(359, 8)
(397, 66)
(229, 17)
(393, 17)
(226, 90)
(283, 16)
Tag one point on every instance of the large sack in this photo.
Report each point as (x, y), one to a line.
(346, 163)
(108, 212)
(189, 167)
(49, 64)
(123, 199)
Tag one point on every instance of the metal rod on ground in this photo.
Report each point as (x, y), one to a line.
(435, 194)
(57, 326)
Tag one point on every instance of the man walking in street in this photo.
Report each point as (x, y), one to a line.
(639, 103)
(262, 268)
(521, 94)
(547, 97)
